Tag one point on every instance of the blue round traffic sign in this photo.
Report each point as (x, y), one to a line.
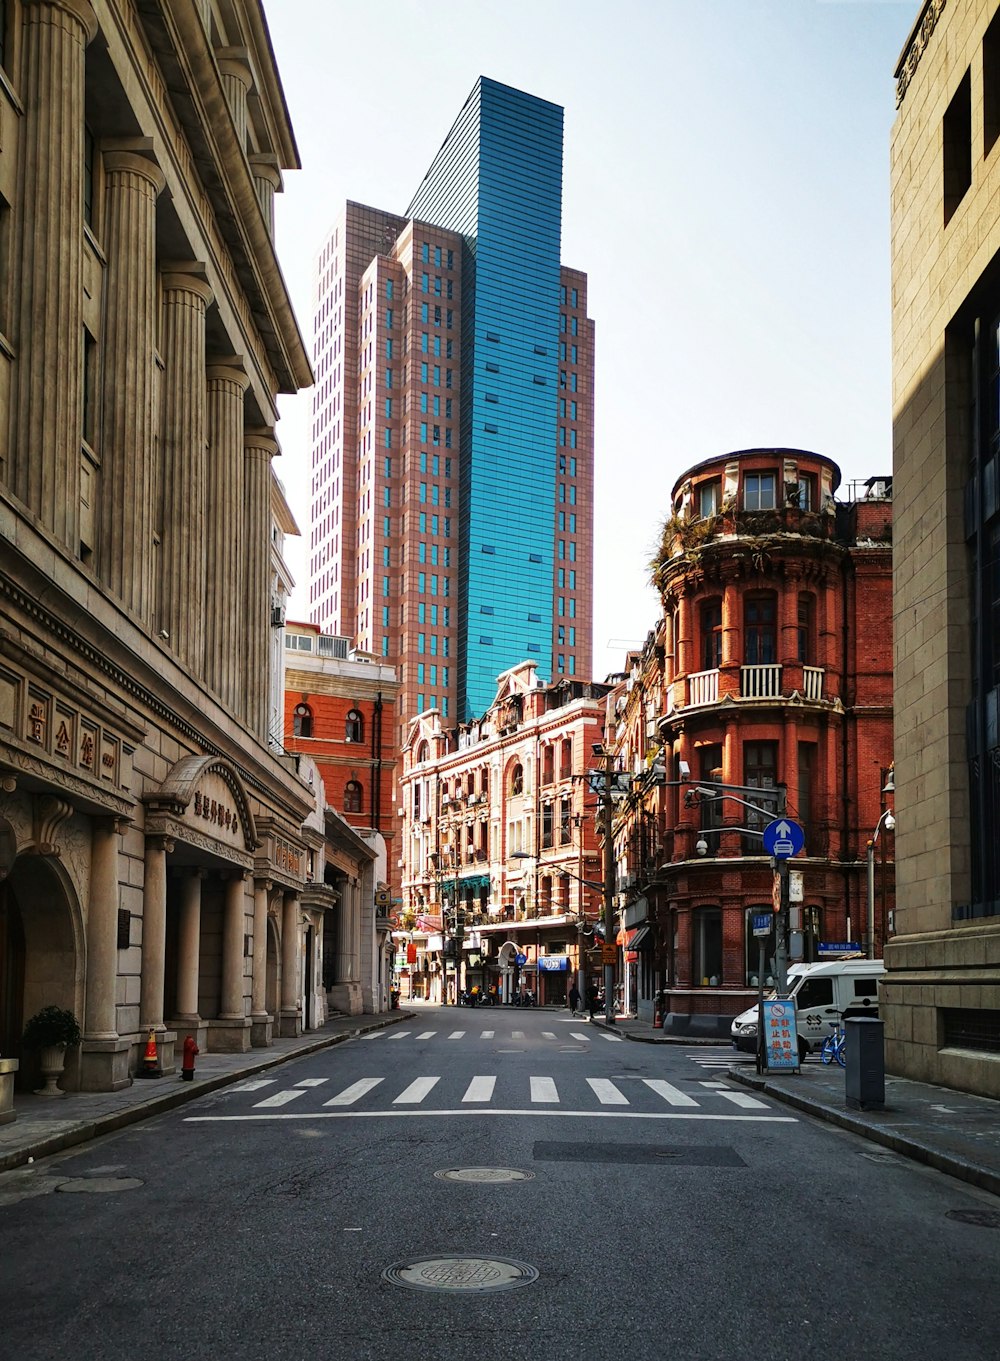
(783, 838)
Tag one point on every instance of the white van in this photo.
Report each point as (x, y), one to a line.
(823, 993)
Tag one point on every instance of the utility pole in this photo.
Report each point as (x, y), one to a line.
(610, 943)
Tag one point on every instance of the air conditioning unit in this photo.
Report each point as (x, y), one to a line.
(277, 616)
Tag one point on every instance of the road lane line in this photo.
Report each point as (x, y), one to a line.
(254, 1085)
(426, 1034)
(480, 1089)
(487, 1035)
(312, 1082)
(280, 1098)
(615, 1039)
(399, 1034)
(456, 1034)
(517, 1034)
(480, 1111)
(579, 1035)
(606, 1092)
(548, 1035)
(416, 1091)
(543, 1089)
(354, 1092)
(672, 1095)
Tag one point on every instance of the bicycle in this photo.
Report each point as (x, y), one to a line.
(832, 1048)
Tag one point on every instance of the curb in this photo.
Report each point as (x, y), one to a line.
(905, 1145)
(658, 1039)
(177, 1096)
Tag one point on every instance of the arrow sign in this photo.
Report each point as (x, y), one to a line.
(783, 838)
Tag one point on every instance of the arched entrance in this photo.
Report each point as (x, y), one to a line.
(509, 970)
(40, 955)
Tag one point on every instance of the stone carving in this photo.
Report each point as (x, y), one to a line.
(918, 45)
(49, 813)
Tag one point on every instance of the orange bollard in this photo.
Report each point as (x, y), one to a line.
(150, 1066)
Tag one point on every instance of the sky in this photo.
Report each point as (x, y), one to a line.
(725, 187)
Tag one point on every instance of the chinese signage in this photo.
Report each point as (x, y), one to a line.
(780, 1036)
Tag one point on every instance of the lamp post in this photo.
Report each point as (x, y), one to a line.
(888, 821)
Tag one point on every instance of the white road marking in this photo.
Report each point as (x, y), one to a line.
(456, 1034)
(426, 1034)
(480, 1089)
(487, 1035)
(714, 1086)
(517, 1034)
(416, 1091)
(579, 1035)
(354, 1092)
(493, 1110)
(312, 1082)
(672, 1095)
(606, 1092)
(543, 1089)
(280, 1098)
(399, 1034)
(615, 1039)
(374, 1035)
(254, 1085)
(747, 1102)
(548, 1035)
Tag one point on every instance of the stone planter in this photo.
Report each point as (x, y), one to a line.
(52, 1060)
(8, 1071)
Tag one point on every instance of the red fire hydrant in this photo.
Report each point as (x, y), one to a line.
(187, 1062)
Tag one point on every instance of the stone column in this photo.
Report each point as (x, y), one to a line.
(260, 447)
(260, 1022)
(233, 931)
(291, 1020)
(267, 181)
(47, 261)
(224, 585)
(128, 468)
(189, 951)
(154, 932)
(345, 994)
(237, 81)
(181, 614)
(104, 1057)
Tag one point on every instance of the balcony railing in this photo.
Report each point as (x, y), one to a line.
(703, 687)
(760, 682)
(812, 682)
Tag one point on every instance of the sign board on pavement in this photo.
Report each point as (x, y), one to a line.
(781, 1042)
(609, 953)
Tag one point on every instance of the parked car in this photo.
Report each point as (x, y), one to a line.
(823, 993)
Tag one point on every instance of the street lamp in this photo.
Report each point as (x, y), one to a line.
(888, 821)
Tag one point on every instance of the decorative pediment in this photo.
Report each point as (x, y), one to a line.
(206, 793)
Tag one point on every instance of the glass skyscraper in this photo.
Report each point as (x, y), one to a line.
(452, 523)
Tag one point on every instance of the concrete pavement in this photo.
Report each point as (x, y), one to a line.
(46, 1125)
(955, 1132)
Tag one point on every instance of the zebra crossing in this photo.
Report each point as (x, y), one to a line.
(436, 1094)
(580, 1035)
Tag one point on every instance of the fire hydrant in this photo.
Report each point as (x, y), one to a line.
(187, 1062)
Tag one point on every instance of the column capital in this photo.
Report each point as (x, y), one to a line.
(261, 443)
(134, 154)
(228, 370)
(235, 63)
(264, 166)
(159, 841)
(261, 882)
(80, 10)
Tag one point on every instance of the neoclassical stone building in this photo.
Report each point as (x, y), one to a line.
(152, 858)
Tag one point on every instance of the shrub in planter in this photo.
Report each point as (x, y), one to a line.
(50, 1028)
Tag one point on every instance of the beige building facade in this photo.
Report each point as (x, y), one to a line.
(152, 855)
(942, 991)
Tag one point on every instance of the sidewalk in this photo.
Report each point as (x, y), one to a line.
(954, 1132)
(47, 1124)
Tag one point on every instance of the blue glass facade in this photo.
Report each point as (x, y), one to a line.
(497, 180)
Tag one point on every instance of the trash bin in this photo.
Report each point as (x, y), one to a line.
(864, 1055)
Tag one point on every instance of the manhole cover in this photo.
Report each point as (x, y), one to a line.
(460, 1273)
(494, 1176)
(985, 1219)
(99, 1185)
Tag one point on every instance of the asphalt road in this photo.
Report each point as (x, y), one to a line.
(666, 1213)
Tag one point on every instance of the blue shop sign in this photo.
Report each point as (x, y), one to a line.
(553, 963)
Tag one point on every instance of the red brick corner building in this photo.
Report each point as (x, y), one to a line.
(771, 668)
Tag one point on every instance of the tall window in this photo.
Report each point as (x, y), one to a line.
(712, 810)
(760, 637)
(758, 491)
(302, 721)
(760, 771)
(548, 765)
(753, 944)
(711, 635)
(805, 492)
(354, 727)
(352, 797)
(807, 768)
(706, 940)
(517, 779)
(709, 498)
(547, 820)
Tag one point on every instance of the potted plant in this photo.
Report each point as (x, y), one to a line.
(51, 1031)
